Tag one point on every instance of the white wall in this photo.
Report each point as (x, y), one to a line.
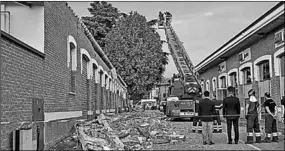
(26, 24)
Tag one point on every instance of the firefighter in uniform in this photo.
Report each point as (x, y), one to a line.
(196, 119)
(270, 119)
(217, 126)
(251, 114)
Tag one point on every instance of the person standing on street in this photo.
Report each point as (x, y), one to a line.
(231, 111)
(217, 120)
(251, 115)
(206, 110)
(282, 107)
(270, 119)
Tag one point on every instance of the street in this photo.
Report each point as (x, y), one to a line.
(194, 140)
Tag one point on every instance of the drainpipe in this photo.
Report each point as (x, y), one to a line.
(9, 14)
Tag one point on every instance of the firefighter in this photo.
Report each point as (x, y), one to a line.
(217, 126)
(251, 114)
(270, 119)
(196, 119)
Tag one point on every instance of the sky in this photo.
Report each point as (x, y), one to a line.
(203, 27)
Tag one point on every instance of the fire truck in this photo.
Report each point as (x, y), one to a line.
(185, 89)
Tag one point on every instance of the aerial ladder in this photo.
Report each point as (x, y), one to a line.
(185, 86)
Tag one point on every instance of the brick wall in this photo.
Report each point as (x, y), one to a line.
(60, 22)
(21, 81)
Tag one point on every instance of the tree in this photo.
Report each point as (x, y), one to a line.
(135, 50)
(103, 18)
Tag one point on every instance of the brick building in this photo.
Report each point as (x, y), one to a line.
(254, 58)
(54, 73)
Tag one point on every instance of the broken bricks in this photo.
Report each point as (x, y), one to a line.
(127, 131)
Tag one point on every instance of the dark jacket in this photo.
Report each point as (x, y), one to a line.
(231, 106)
(206, 110)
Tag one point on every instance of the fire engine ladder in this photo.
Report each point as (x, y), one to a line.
(181, 59)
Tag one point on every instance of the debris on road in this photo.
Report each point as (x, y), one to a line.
(127, 131)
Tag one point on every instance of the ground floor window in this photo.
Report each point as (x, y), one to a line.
(282, 62)
(247, 75)
(264, 72)
(233, 79)
(223, 82)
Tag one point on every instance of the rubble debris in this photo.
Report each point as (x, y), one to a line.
(127, 131)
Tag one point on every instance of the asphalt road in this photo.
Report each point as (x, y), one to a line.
(194, 140)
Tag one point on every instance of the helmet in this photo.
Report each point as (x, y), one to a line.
(251, 92)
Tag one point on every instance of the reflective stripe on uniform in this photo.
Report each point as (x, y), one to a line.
(257, 134)
(218, 106)
(250, 134)
(275, 134)
(268, 135)
(220, 126)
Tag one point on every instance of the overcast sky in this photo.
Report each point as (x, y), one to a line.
(202, 26)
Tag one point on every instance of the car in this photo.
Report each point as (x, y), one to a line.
(149, 104)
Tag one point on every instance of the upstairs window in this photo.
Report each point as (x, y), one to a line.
(247, 75)
(279, 38)
(264, 72)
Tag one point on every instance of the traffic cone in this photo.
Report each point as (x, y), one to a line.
(249, 138)
(258, 137)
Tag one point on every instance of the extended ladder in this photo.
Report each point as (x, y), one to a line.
(181, 59)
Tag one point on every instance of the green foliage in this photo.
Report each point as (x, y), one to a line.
(102, 20)
(136, 52)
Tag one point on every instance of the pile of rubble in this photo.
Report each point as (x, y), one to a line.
(127, 131)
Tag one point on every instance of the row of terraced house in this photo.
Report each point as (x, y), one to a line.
(53, 74)
(253, 59)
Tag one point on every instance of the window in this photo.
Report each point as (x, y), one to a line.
(214, 83)
(202, 85)
(233, 79)
(282, 60)
(279, 38)
(223, 82)
(208, 85)
(5, 19)
(247, 75)
(72, 69)
(264, 73)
